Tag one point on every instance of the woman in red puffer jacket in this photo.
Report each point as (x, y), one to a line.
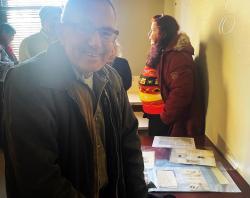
(171, 55)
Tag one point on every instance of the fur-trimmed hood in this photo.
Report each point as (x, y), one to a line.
(181, 43)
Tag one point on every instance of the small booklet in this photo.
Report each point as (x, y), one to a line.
(193, 156)
(173, 142)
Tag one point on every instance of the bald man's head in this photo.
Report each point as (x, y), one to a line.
(74, 9)
(88, 33)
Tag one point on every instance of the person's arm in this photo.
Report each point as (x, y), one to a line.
(181, 85)
(31, 134)
(132, 155)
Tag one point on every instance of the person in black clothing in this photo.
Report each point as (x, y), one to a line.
(121, 65)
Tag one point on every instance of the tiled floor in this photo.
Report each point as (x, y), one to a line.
(2, 182)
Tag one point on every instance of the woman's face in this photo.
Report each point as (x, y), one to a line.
(154, 33)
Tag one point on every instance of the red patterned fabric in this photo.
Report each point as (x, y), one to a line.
(149, 91)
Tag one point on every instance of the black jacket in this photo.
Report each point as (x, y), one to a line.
(122, 67)
(46, 142)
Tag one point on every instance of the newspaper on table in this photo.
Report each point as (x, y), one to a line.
(193, 156)
(173, 142)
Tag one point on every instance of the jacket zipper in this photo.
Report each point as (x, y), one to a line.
(117, 154)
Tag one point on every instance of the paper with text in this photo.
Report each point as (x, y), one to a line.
(166, 179)
(174, 142)
(148, 159)
(193, 156)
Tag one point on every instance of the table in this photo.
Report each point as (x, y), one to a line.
(135, 101)
(142, 122)
(202, 142)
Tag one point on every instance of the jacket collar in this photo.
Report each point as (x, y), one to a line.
(181, 43)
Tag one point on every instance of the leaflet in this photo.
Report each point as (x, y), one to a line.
(192, 180)
(174, 142)
(148, 159)
(166, 179)
(193, 156)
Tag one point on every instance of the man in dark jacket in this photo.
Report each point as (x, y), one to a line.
(69, 129)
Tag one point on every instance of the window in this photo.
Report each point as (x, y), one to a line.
(23, 15)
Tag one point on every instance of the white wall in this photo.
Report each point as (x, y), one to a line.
(134, 23)
(223, 29)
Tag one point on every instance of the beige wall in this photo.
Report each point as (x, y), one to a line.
(169, 8)
(223, 29)
(134, 23)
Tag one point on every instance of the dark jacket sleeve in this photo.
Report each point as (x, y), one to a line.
(180, 78)
(132, 155)
(31, 146)
(121, 65)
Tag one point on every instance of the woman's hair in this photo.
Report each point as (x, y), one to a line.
(168, 29)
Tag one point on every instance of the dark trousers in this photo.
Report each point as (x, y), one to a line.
(156, 127)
